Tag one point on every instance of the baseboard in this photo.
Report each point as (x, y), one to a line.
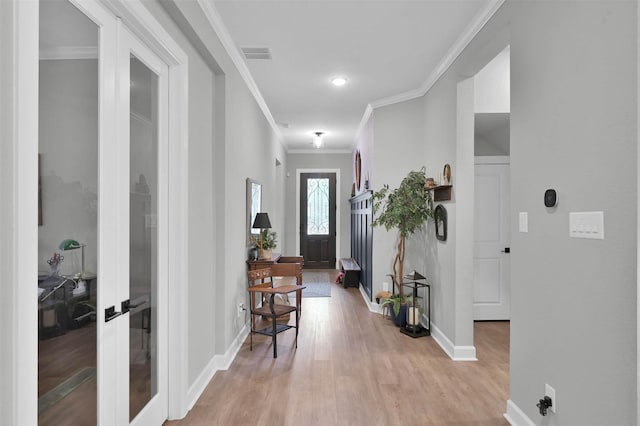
(373, 307)
(515, 416)
(217, 363)
(456, 353)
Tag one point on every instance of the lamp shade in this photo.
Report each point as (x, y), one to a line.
(261, 221)
(69, 244)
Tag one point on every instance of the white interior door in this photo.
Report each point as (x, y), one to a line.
(143, 125)
(103, 142)
(491, 265)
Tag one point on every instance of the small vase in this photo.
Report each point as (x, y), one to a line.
(264, 254)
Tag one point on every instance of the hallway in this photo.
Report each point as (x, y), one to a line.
(353, 367)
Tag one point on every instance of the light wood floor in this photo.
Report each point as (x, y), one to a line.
(353, 367)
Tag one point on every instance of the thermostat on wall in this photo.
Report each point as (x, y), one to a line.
(550, 198)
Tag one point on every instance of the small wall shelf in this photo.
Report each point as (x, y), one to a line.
(441, 192)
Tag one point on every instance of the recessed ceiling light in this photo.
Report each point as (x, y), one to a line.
(339, 81)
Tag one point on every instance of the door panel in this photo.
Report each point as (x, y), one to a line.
(491, 287)
(69, 134)
(145, 120)
(318, 220)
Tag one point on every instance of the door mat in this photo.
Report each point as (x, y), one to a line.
(317, 290)
(318, 284)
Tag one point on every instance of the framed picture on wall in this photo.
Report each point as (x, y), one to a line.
(440, 218)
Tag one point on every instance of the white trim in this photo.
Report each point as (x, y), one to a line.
(22, 343)
(376, 308)
(638, 229)
(178, 247)
(217, 363)
(497, 159)
(216, 22)
(137, 18)
(478, 22)
(319, 151)
(368, 111)
(338, 201)
(515, 416)
(456, 353)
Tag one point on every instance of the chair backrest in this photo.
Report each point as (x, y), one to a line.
(257, 278)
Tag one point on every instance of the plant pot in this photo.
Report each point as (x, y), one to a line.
(401, 319)
(264, 254)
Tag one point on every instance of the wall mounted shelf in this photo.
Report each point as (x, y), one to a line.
(441, 192)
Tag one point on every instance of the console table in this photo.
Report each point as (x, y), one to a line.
(281, 266)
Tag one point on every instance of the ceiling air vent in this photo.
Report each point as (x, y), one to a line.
(256, 52)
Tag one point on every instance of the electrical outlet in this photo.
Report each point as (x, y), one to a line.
(241, 308)
(551, 393)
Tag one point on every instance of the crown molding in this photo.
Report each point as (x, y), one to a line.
(478, 22)
(365, 118)
(215, 20)
(319, 151)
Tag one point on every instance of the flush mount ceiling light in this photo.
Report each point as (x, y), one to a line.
(317, 140)
(339, 81)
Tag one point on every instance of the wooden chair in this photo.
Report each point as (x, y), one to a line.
(261, 282)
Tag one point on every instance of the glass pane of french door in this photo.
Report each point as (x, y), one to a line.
(317, 206)
(68, 205)
(143, 236)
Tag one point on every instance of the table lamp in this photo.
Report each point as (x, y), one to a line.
(261, 221)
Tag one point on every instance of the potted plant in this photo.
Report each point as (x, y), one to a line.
(397, 309)
(406, 209)
(266, 242)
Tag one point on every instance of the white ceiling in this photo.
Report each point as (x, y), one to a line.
(384, 47)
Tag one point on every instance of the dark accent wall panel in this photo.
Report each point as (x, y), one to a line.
(362, 237)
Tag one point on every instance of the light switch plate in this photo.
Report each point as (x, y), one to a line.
(586, 225)
(523, 223)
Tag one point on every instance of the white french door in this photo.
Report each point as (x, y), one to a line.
(107, 140)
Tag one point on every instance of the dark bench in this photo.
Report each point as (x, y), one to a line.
(351, 271)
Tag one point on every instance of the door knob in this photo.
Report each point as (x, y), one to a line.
(506, 250)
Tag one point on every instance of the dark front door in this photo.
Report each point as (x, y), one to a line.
(318, 220)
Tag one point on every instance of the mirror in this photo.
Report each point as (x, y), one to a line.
(441, 222)
(254, 206)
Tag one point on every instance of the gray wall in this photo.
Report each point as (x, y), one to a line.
(319, 161)
(574, 95)
(398, 149)
(201, 216)
(573, 128)
(229, 140)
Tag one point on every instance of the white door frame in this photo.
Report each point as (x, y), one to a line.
(21, 265)
(338, 198)
(19, 188)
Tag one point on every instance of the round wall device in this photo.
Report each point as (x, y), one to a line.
(550, 198)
